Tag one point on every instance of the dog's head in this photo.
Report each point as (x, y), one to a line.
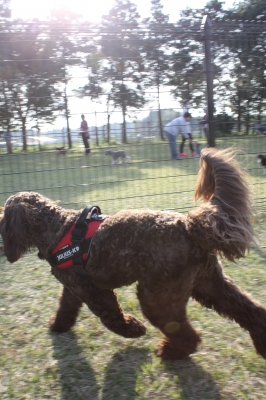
(15, 227)
(108, 152)
(15, 239)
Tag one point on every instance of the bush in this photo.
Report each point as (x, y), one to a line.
(224, 123)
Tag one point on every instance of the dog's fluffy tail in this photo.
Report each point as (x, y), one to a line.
(223, 223)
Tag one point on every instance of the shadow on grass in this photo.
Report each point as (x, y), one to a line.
(192, 380)
(76, 376)
(122, 373)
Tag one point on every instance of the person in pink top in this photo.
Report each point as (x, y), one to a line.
(84, 132)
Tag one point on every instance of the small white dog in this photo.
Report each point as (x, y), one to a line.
(116, 155)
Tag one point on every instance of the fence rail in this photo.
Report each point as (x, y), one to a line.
(217, 75)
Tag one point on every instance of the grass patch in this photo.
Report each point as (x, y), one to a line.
(150, 180)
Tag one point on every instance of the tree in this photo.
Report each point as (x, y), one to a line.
(185, 75)
(116, 65)
(65, 44)
(5, 11)
(248, 10)
(251, 37)
(242, 58)
(28, 89)
(224, 123)
(156, 43)
(238, 51)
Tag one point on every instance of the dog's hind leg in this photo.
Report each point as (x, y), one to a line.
(67, 312)
(218, 292)
(166, 310)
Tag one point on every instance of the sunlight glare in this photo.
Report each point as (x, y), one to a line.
(90, 9)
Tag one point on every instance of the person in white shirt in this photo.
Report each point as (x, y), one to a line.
(8, 139)
(173, 129)
(187, 107)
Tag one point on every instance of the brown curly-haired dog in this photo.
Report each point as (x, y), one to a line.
(172, 257)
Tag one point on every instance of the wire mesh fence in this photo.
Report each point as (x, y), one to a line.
(53, 166)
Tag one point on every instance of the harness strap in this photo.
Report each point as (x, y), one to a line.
(79, 232)
(73, 249)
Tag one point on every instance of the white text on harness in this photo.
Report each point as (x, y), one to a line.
(68, 253)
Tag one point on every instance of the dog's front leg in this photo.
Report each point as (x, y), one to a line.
(104, 304)
(67, 312)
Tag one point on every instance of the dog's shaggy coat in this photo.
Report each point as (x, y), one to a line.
(172, 257)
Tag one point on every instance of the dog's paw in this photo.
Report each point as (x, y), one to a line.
(176, 351)
(133, 328)
(55, 325)
(167, 352)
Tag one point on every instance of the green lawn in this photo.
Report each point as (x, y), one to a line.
(90, 362)
(150, 180)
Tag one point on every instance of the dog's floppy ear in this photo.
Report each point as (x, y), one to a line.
(13, 228)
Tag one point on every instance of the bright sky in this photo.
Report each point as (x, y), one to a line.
(92, 10)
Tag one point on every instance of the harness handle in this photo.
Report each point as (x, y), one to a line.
(81, 224)
(79, 231)
(89, 209)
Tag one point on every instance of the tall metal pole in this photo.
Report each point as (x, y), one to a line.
(206, 27)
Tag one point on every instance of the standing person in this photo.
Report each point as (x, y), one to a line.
(172, 130)
(188, 135)
(84, 131)
(258, 127)
(8, 139)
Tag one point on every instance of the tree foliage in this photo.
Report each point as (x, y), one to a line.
(155, 45)
(115, 68)
(127, 59)
(5, 11)
(27, 90)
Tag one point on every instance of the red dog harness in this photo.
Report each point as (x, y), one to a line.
(74, 248)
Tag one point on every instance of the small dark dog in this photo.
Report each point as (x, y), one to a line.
(172, 257)
(262, 160)
(61, 151)
(116, 155)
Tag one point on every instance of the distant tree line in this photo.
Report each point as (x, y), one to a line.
(129, 61)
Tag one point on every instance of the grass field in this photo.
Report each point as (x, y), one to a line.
(150, 180)
(90, 362)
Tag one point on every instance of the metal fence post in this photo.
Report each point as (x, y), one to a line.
(206, 27)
